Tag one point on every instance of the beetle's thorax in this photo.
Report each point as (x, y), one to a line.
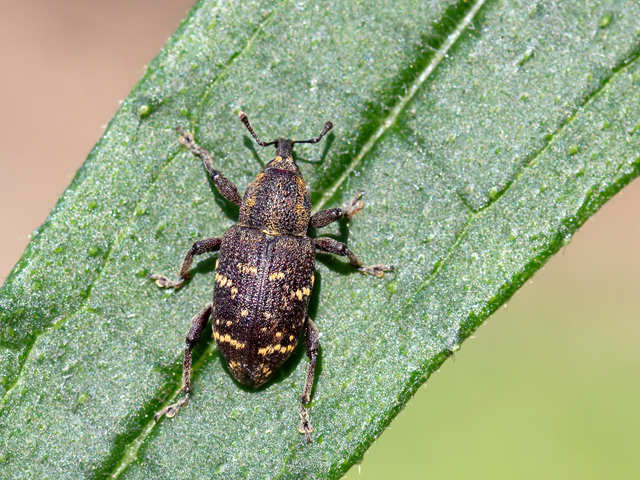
(277, 201)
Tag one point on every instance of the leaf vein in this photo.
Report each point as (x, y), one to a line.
(590, 96)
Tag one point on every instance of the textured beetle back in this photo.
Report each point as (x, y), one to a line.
(261, 296)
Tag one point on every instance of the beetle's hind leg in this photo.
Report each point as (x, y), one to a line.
(330, 245)
(195, 331)
(198, 248)
(312, 344)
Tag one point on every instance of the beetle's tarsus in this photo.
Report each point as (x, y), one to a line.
(172, 410)
(355, 205)
(376, 270)
(164, 282)
(305, 423)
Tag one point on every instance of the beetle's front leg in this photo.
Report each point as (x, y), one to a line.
(193, 337)
(325, 217)
(222, 183)
(312, 344)
(198, 248)
(330, 245)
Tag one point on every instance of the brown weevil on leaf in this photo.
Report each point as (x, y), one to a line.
(264, 272)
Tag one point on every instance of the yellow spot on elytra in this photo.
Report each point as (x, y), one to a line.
(217, 321)
(299, 294)
(244, 312)
(250, 202)
(229, 323)
(306, 291)
(263, 329)
(267, 315)
(289, 348)
(277, 159)
(216, 335)
(277, 347)
(227, 338)
(293, 294)
(291, 338)
(233, 342)
(266, 350)
(234, 292)
(264, 371)
(278, 334)
(313, 279)
(222, 280)
(247, 269)
(276, 276)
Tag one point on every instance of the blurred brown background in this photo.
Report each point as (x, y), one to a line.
(550, 387)
(65, 66)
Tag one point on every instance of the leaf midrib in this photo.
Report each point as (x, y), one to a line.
(401, 104)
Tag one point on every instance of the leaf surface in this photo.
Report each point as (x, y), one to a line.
(483, 133)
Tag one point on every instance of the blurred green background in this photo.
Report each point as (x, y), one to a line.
(548, 388)
(550, 385)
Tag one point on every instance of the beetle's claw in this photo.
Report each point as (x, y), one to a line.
(186, 138)
(376, 270)
(164, 282)
(171, 410)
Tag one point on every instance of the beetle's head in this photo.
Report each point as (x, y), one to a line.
(284, 146)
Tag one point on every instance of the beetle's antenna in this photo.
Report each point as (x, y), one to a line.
(327, 126)
(245, 120)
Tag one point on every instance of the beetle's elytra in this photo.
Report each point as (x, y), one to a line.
(264, 272)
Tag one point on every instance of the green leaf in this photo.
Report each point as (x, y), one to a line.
(484, 135)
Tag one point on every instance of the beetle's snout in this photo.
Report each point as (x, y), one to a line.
(284, 148)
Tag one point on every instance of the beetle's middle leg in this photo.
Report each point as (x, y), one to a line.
(193, 337)
(198, 248)
(330, 245)
(312, 344)
(325, 217)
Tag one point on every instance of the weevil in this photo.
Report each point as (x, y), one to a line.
(264, 273)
